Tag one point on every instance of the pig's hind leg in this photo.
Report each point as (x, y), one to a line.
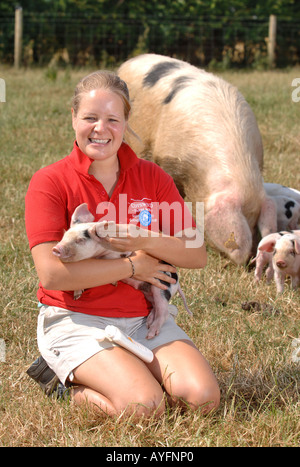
(295, 282)
(262, 259)
(160, 312)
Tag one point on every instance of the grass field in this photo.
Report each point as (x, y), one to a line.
(250, 351)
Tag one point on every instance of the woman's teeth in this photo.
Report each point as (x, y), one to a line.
(99, 141)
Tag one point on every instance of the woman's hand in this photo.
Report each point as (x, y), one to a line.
(127, 237)
(174, 250)
(149, 269)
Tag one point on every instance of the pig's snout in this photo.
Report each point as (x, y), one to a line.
(61, 252)
(56, 251)
(281, 264)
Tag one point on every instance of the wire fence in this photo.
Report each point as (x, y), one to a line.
(80, 41)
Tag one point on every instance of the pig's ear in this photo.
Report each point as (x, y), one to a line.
(297, 245)
(268, 242)
(81, 215)
(105, 229)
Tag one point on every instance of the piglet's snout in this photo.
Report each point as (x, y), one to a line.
(61, 252)
(281, 264)
(56, 251)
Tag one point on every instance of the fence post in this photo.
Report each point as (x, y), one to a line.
(18, 36)
(272, 40)
(2, 90)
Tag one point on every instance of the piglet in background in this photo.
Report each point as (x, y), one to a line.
(287, 202)
(284, 253)
(201, 131)
(87, 239)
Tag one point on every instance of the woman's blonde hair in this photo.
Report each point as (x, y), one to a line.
(102, 80)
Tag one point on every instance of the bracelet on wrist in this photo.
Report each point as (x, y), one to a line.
(132, 267)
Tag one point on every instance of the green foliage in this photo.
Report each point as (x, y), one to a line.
(157, 8)
(199, 31)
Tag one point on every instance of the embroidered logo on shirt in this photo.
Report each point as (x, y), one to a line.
(145, 217)
(141, 211)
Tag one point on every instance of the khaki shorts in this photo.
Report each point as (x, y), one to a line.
(66, 338)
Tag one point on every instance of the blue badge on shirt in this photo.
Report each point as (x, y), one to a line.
(145, 217)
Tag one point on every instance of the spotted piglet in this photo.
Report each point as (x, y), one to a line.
(285, 248)
(87, 239)
(287, 202)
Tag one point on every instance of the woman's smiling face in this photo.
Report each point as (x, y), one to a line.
(99, 124)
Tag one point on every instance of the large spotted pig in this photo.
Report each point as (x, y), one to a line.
(88, 239)
(200, 130)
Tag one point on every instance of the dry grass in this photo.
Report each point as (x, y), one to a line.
(250, 351)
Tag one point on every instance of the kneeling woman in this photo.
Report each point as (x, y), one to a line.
(103, 171)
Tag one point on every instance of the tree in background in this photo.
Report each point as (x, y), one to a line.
(105, 32)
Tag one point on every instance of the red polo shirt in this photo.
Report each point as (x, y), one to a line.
(143, 189)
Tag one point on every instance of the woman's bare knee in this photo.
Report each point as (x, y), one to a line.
(195, 396)
(209, 398)
(145, 399)
(145, 405)
(142, 404)
(186, 376)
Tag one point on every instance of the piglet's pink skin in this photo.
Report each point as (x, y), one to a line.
(286, 257)
(87, 239)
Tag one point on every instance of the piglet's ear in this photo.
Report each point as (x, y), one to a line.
(81, 215)
(297, 245)
(105, 229)
(267, 246)
(268, 242)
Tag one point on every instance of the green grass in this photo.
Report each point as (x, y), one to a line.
(249, 351)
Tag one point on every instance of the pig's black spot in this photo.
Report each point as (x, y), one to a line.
(144, 287)
(174, 275)
(288, 206)
(178, 84)
(158, 71)
(167, 294)
(86, 233)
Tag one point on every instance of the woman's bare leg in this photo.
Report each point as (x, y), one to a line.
(83, 395)
(115, 380)
(186, 375)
